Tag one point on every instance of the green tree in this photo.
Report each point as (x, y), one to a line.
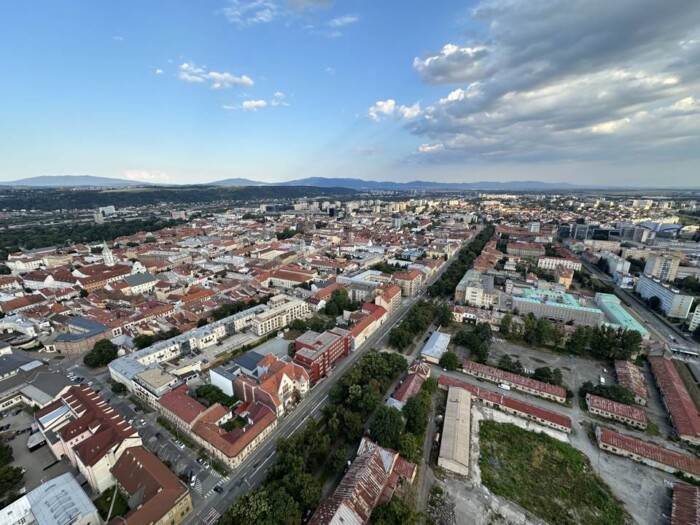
(386, 427)
(506, 323)
(102, 353)
(212, 394)
(548, 375)
(614, 392)
(509, 364)
(449, 361)
(6, 454)
(118, 388)
(430, 385)
(417, 411)
(251, 507)
(338, 460)
(578, 342)
(408, 446)
(394, 512)
(143, 341)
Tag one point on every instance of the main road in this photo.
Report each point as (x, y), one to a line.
(253, 469)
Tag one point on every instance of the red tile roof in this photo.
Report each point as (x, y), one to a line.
(618, 409)
(181, 404)
(630, 377)
(680, 405)
(496, 374)
(508, 402)
(685, 509)
(683, 462)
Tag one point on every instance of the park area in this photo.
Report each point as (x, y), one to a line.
(548, 478)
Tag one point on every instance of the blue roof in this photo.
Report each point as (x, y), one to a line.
(249, 360)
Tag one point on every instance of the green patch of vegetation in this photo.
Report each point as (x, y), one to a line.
(417, 321)
(103, 352)
(212, 394)
(104, 501)
(613, 392)
(549, 478)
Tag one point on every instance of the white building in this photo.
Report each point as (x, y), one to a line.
(695, 320)
(550, 263)
(615, 263)
(662, 266)
(283, 309)
(673, 303)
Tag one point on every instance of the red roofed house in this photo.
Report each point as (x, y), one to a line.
(418, 372)
(280, 387)
(180, 409)
(319, 353)
(233, 447)
(154, 493)
(607, 408)
(366, 321)
(371, 479)
(629, 376)
(680, 406)
(648, 453)
(389, 297)
(81, 426)
(409, 282)
(525, 384)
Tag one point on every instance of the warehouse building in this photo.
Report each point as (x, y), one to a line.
(454, 448)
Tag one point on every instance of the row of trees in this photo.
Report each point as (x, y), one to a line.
(614, 392)
(338, 302)
(553, 376)
(417, 321)
(145, 340)
(292, 485)
(212, 394)
(477, 341)
(103, 352)
(448, 281)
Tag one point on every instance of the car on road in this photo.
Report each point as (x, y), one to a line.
(193, 480)
(218, 489)
(142, 421)
(180, 444)
(158, 435)
(137, 409)
(200, 461)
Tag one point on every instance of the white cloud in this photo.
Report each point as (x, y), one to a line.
(254, 12)
(330, 70)
(118, 38)
(387, 108)
(217, 80)
(342, 21)
(147, 176)
(159, 71)
(278, 99)
(430, 148)
(253, 105)
(548, 80)
(308, 4)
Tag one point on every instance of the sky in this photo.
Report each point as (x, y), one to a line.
(184, 91)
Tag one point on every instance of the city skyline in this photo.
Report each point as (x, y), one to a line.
(172, 92)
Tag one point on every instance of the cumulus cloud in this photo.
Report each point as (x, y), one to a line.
(146, 176)
(551, 79)
(253, 105)
(343, 20)
(389, 108)
(216, 79)
(254, 12)
(159, 71)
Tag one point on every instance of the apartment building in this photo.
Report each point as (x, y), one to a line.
(476, 289)
(673, 303)
(283, 309)
(319, 353)
(662, 266)
(409, 282)
(558, 306)
(616, 264)
(389, 297)
(551, 263)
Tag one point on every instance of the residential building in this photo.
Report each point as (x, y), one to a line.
(551, 263)
(456, 436)
(371, 479)
(139, 283)
(694, 320)
(616, 264)
(673, 303)
(418, 372)
(679, 404)
(155, 494)
(153, 383)
(389, 297)
(283, 309)
(525, 249)
(409, 282)
(82, 427)
(178, 407)
(633, 416)
(564, 276)
(319, 353)
(617, 315)
(57, 501)
(476, 289)
(663, 266)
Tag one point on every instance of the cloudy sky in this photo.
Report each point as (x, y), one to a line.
(593, 91)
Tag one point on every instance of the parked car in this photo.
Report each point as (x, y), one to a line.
(158, 435)
(218, 489)
(193, 480)
(142, 421)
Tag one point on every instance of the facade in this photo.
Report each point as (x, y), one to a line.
(551, 263)
(680, 406)
(155, 494)
(673, 303)
(456, 436)
(617, 315)
(662, 266)
(409, 282)
(82, 427)
(476, 289)
(633, 416)
(616, 264)
(694, 320)
(389, 297)
(648, 453)
(319, 353)
(564, 276)
(180, 409)
(58, 501)
(370, 480)
(525, 249)
(283, 309)
(518, 382)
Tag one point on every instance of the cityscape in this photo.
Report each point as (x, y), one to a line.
(240, 284)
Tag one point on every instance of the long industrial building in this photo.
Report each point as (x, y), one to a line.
(454, 447)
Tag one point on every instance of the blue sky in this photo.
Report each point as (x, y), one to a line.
(195, 91)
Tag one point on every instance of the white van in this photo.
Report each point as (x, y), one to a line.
(504, 386)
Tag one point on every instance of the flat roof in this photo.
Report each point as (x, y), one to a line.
(456, 428)
(436, 345)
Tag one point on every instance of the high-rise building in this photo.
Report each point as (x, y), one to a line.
(662, 266)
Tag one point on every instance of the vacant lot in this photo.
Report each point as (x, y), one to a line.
(549, 478)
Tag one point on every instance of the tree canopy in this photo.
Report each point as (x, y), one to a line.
(102, 353)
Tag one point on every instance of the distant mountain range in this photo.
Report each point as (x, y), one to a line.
(360, 184)
(72, 181)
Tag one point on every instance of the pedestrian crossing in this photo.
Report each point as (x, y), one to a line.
(211, 517)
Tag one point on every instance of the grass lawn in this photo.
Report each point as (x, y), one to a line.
(105, 500)
(549, 478)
